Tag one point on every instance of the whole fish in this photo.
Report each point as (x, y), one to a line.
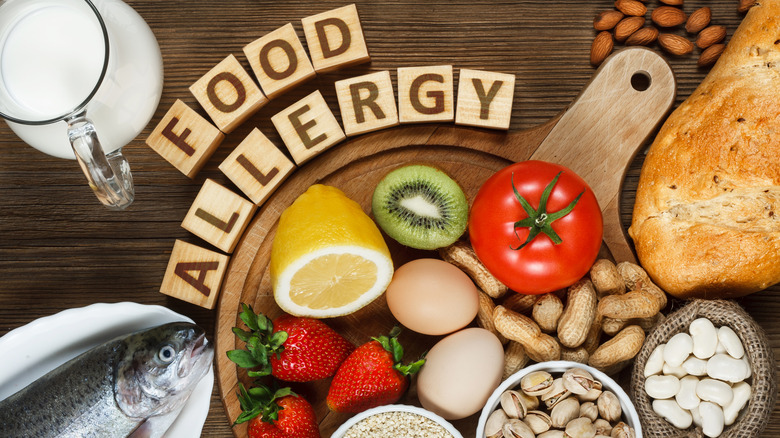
(134, 385)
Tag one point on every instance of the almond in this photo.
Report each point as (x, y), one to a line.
(668, 16)
(631, 7)
(642, 37)
(672, 2)
(607, 20)
(627, 26)
(710, 55)
(601, 47)
(744, 5)
(710, 35)
(675, 44)
(698, 20)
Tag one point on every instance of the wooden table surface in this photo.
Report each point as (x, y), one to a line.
(59, 248)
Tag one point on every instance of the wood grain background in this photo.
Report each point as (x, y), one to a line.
(59, 248)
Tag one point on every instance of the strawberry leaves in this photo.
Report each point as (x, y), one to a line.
(394, 347)
(260, 401)
(261, 343)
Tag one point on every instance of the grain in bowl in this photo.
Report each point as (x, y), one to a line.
(399, 421)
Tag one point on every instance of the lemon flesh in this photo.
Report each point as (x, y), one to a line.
(328, 257)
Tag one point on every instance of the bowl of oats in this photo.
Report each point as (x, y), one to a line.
(397, 421)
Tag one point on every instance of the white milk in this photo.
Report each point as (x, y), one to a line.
(129, 94)
(51, 60)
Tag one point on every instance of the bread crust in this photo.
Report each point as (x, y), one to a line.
(706, 221)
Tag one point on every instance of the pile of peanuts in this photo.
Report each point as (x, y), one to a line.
(619, 301)
(699, 378)
(576, 407)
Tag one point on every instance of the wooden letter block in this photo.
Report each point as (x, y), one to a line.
(218, 216)
(425, 94)
(335, 39)
(228, 94)
(279, 61)
(194, 274)
(308, 127)
(485, 99)
(367, 103)
(185, 139)
(257, 167)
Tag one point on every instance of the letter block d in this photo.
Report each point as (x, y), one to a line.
(185, 139)
(194, 274)
(335, 39)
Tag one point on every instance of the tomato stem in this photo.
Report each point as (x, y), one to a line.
(538, 220)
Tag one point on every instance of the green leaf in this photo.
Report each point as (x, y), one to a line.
(265, 371)
(242, 334)
(561, 213)
(261, 393)
(242, 358)
(397, 350)
(546, 194)
(523, 203)
(409, 369)
(249, 317)
(276, 341)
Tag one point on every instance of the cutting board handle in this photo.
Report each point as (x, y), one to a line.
(600, 133)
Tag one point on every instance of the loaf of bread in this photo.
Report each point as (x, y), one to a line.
(706, 222)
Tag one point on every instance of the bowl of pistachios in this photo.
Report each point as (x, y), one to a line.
(559, 399)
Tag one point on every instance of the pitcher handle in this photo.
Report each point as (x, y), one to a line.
(108, 175)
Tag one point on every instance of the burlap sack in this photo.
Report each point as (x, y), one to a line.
(755, 415)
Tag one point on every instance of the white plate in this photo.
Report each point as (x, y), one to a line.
(33, 350)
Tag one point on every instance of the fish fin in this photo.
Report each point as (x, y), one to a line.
(144, 430)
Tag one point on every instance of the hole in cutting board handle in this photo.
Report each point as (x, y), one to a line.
(640, 81)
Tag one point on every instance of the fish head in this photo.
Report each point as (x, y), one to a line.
(160, 368)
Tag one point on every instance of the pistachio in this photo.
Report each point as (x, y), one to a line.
(530, 402)
(609, 406)
(589, 410)
(538, 421)
(603, 427)
(565, 411)
(591, 395)
(552, 434)
(623, 430)
(515, 428)
(495, 424)
(578, 380)
(536, 383)
(580, 428)
(513, 405)
(555, 394)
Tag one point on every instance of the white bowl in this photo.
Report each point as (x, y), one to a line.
(629, 411)
(341, 431)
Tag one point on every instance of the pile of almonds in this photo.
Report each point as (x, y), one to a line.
(626, 24)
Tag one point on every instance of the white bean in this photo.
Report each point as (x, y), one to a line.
(686, 397)
(725, 367)
(713, 426)
(673, 413)
(695, 366)
(655, 362)
(660, 387)
(678, 349)
(731, 342)
(678, 372)
(705, 338)
(748, 368)
(714, 391)
(741, 396)
(696, 416)
(720, 349)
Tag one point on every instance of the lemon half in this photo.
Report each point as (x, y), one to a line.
(328, 257)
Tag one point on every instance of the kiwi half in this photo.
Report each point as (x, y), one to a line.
(420, 207)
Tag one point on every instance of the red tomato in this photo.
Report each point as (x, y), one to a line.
(540, 266)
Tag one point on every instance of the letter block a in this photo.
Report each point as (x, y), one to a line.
(426, 94)
(367, 103)
(485, 99)
(185, 139)
(279, 61)
(257, 167)
(194, 274)
(228, 94)
(308, 127)
(335, 39)
(218, 215)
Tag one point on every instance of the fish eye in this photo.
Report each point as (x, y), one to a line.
(166, 354)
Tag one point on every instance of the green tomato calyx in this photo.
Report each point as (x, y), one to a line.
(538, 220)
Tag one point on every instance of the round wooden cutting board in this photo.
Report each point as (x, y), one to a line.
(597, 137)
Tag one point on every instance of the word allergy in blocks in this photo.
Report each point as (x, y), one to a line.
(229, 96)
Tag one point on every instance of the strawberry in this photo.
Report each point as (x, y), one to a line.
(289, 348)
(371, 376)
(279, 414)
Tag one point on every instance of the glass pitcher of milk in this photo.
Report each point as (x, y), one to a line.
(70, 69)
